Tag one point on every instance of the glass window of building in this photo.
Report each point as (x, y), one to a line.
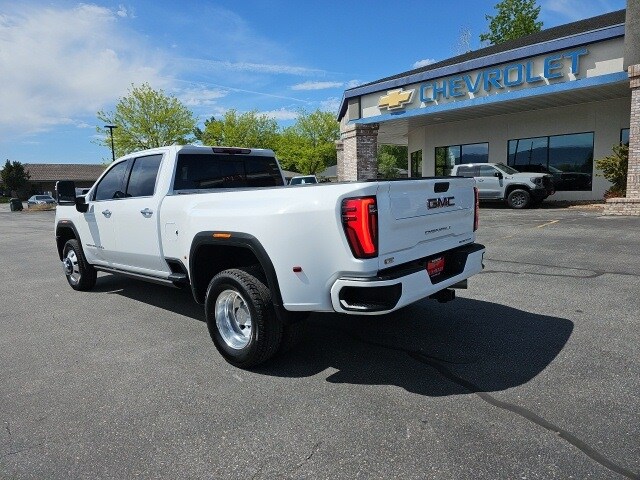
(569, 158)
(447, 157)
(624, 136)
(416, 164)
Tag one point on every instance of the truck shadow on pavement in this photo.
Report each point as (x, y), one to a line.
(476, 346)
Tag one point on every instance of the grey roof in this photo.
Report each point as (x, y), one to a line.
(554, 33)
(49, 172)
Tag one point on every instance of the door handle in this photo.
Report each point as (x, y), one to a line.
(146, 212)
(479, 180)
(107, 213)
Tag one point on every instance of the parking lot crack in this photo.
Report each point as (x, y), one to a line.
(528, 415)
(437, 364)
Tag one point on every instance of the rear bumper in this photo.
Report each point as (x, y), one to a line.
(402, 285)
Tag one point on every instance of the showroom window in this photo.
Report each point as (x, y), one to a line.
(416, 164)
(447, 157)
(569, 158)
(624, 136)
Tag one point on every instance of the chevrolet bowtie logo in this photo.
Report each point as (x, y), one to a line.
(395, 99)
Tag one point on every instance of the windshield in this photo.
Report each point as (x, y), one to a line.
(43, 197)
(506, 169)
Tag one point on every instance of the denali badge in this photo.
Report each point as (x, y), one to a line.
(440, 202)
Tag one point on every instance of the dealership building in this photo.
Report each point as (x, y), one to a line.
(553, 101)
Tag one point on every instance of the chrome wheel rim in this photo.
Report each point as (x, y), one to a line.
(71, 267)
(518, 200)
(233, 319)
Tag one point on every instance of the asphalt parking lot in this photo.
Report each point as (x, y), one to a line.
(532, 373)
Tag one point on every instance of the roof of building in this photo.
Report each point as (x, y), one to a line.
(548, 35)
(48, 172)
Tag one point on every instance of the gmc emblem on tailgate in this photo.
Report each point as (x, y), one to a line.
(440, 202)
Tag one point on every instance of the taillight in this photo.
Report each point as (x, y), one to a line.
(360, 222)
(476, 210)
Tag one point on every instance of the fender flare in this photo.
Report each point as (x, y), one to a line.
(64, 224)
(243, 240)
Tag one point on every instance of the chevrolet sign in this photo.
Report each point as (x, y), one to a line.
(395, 99)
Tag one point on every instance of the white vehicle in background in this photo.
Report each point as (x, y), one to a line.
(497, 181)
(261, 256)
(303, 180)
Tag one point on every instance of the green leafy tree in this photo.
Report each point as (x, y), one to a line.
(147, 118)
(514, 19)
(14, 177)
(387, 165)
(614, 168)
(308, 146)
(249, 129)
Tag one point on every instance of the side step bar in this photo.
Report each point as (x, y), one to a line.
(175, 280)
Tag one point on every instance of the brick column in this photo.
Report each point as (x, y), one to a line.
(360, 153)
(340, 157)
(630, 205)
(633, 175)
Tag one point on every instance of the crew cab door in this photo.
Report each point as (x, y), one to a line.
(137, 218)
(489, 182)
(100, 244)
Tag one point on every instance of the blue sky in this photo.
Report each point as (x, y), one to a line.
(61, 62)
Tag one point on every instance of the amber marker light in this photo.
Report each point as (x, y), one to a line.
(221, 235)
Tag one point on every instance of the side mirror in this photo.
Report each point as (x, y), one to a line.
(81, 204)
(499, 175)
(66, 195)
(66, 192)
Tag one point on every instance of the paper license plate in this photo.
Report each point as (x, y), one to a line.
(435, 266)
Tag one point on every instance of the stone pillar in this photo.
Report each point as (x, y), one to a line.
(630, 205)
(633, 175)
(360, 153)
(340, 157)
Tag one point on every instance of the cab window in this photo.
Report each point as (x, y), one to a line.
(142, 181)
(112, 184)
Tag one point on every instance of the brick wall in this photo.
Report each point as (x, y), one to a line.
(633, 175)
(359, 154)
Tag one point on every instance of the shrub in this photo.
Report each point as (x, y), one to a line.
(614, 168)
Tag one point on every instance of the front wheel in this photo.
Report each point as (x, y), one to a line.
(80, 274)
(241, 318)
(518, 199)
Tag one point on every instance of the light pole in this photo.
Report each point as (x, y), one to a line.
(113, 152)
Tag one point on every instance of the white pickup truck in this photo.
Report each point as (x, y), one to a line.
(261, 255)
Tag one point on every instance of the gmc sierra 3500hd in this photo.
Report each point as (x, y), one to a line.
(261, 255)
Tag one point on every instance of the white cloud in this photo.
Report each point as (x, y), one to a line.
(352, 84)
(331, 104)
(195, 97)
(573, 10)
(125, 12)
(424, 62)
(50, 74)
(83, 125)
(250, 67)
(316, 85)
(281, 114)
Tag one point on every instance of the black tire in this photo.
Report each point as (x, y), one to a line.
(240, 345)
(519, 198)
(80, 274)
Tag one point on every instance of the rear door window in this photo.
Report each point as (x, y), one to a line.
(471, 171)
(142, 181)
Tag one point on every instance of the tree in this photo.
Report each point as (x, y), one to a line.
(249, 129)
(147, 118)
(309, 146)
(14, 176)
(614, 168)
(514, 19)
(391, 159)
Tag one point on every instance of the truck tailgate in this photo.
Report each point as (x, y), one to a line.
(419, 218)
